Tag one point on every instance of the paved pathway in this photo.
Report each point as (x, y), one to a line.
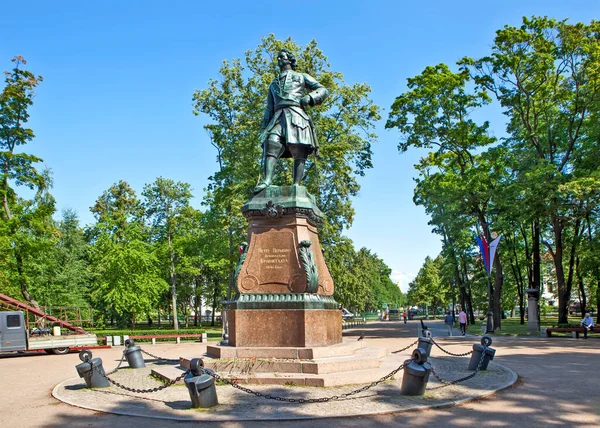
(559, 386)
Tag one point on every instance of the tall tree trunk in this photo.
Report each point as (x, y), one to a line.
(522, 308)
(214, 305)
(582, 296)
(497, 293)
(186, 314)
(537, 277)
(518, 273)
(564, 295)
(569, 284)
(536, 256)
(598, 301)
(461, 289)
(520, 287)
(23, 280)
(173, 283)
(5, 194)
(197, 303)
(468, 295)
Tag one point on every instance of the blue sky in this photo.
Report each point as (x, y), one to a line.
(116, 101)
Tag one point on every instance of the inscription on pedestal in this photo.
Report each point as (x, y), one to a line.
(274, 258)
(272, 265)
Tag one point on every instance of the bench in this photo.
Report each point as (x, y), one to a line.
(573, 330)
(177, 337)
(352, 322)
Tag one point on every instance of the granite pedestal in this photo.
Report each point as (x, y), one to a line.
(284, 287)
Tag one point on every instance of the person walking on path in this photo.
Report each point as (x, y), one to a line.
(449, 321)
(404, 316)
(588, 324)
(462, 321)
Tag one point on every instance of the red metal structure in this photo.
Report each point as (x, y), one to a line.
(17, 305)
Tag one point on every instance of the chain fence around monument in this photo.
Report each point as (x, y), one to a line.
(446, 383)
(234, 384)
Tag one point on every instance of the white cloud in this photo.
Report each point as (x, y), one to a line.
(402, 279)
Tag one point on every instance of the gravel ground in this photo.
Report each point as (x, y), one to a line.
(558, 386)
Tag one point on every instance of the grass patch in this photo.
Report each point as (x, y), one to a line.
(513, 327)
(212, 333)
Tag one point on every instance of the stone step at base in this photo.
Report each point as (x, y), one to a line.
(319, 366)
(348, 347)
(361, 358)
(346, 373)
(300, 379)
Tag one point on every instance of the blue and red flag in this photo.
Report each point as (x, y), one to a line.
(488, 251)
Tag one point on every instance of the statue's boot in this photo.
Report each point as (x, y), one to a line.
(298, 171)
(270, 164)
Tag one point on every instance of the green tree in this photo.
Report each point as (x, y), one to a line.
(429, 286)
(167, 205)
(114, 210)
(216, 258)
(64, 277)
(18, 169)
(126, 278)
(349, 291)
(454, 180)
(546, 75)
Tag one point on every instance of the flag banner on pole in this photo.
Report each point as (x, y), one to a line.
(493, 248)
(485, 253)
(488, 251)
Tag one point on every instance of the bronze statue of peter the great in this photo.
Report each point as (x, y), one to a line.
(287, 130)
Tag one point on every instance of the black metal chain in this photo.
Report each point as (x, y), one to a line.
(451, 353)
(116, 369)
(136, 390)
(446, 383)
(303, 400)
(405, 348)
(159, 358)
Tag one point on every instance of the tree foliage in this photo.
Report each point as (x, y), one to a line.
(539, 186)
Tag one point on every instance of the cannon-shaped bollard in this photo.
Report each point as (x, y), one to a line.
(416, 374)
(425, 332)
(134, 356)
(91, 370)
(201, 386)
(425, 343)
(479, 350)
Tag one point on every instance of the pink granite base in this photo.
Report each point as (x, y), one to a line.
(284, 327)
